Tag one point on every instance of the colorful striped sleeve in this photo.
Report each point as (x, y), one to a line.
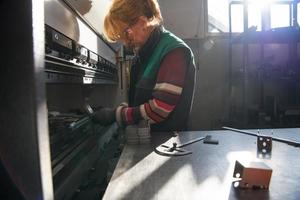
(165, 95)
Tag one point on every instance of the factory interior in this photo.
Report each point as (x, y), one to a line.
(243, 132)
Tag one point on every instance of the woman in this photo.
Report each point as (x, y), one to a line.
(162, 77)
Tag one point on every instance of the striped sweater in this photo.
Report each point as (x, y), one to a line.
(156, 90)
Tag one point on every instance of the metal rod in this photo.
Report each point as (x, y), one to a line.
(191, 142)
(278, 139)
(240, 131)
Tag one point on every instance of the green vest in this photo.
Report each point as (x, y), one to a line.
(167, 43)
(144, 78)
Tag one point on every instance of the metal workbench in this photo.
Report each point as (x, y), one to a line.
(207, 173)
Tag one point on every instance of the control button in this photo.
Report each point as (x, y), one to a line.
(56, 36)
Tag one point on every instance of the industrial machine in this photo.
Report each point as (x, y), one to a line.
(78, 61)
(63, 62)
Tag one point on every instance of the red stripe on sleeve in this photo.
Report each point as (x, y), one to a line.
(152, 114)
(164, 105)
(129, 115)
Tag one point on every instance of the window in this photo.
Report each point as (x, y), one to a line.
(280, 15)
(254, 16)
(274, 14)
(218, 16)
(237, 22)
(298, 13)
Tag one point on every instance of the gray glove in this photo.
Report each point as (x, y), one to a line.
(104, 116)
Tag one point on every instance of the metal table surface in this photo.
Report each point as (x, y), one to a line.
(207, 173)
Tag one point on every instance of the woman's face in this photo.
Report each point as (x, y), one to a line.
(136, 34)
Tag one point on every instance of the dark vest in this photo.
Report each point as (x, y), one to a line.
(144, 73)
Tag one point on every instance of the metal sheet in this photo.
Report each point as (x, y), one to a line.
(142, 173)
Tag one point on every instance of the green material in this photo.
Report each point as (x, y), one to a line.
(167, 43)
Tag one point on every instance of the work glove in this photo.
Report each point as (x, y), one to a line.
(104, 116)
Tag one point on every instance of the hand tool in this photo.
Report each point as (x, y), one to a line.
(177, 150)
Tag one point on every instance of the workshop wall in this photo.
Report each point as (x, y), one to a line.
(211, 91)
(185, 18)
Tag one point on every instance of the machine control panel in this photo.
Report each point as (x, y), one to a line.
(81, 53)
(58, 44)
(63, 54)
(61, 40)
(93, 59)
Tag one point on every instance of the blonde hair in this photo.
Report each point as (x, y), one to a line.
(126, 12)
